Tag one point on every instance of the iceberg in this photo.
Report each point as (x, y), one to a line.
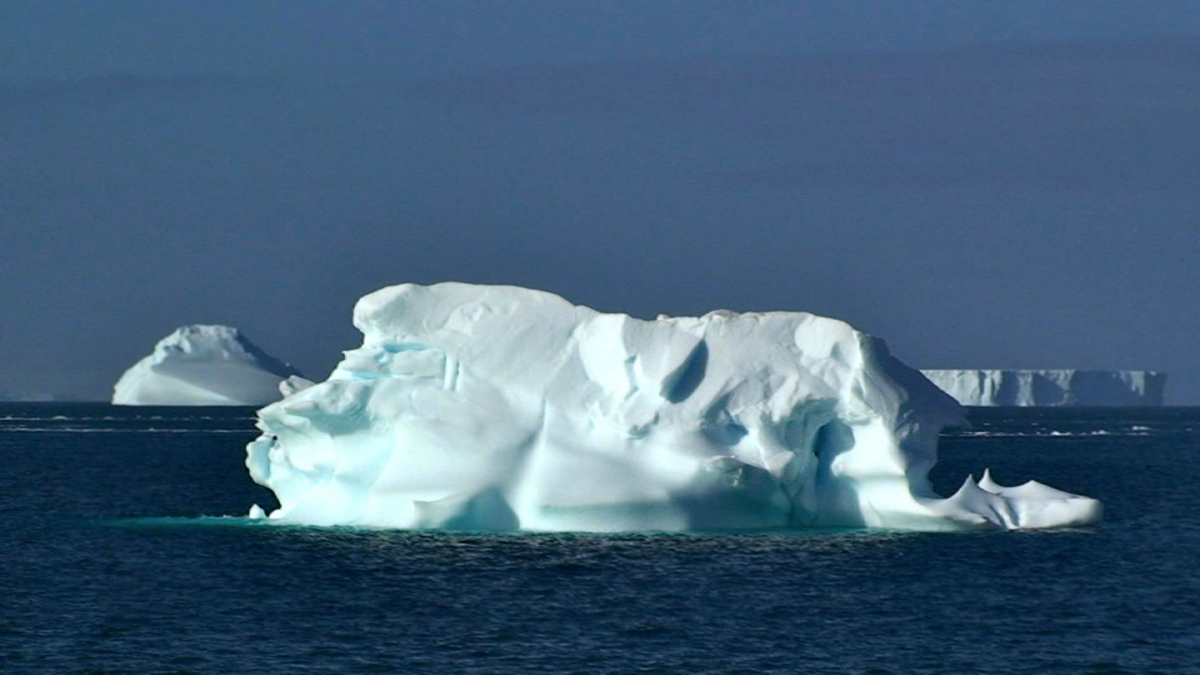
(204, 365)
(1051, 387)
(503, 408)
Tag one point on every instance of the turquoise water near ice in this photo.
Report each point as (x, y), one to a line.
(123, 549)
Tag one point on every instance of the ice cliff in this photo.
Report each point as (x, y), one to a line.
(1051, 387)
(204, 365)
(492, 407)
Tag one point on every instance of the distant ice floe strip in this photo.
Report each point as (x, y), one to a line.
(111, 430)
(1074, 433)
(188, 521)
(123, 418)
(127, 423)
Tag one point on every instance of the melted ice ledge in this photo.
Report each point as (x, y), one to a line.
(491, 407)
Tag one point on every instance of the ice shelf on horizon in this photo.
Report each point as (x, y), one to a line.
(504, 408)
(1051, 387)
(204, 365)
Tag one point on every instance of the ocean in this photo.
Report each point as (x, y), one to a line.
(124, 548)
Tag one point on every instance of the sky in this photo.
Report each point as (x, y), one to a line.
(982, 184)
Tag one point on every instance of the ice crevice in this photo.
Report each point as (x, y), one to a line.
(503, 408)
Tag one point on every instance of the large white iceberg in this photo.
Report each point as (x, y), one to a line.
(205, 365)
(492, 407)
(1051, 387)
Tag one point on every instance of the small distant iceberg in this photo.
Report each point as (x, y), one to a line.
(1051, 387)
(206, 365)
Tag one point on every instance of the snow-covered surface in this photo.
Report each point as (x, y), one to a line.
(1051, 387)
(203, 365)
(293, 384)
(492, 407)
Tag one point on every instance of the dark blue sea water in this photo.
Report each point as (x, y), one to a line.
(123, 549)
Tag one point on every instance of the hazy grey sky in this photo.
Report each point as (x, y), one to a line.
(982, 184)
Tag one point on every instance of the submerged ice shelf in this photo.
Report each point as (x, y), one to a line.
(493, 407)
(206, 365)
